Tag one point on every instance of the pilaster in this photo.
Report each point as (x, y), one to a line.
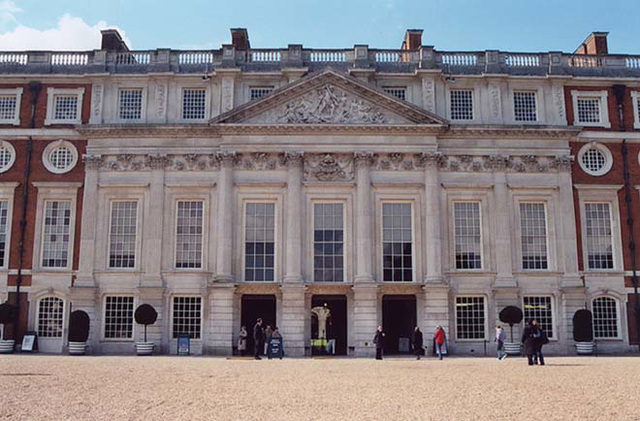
(433, 218)
(364, 218)
(569, 240)
(220, 338)
(88, 223)
(504, 258)
(436, 309)
(154, 223)
(225, 217)
(293, 161)
(365, 318)
(294, 313)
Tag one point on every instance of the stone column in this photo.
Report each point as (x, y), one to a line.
(293, 272)
(154, 224)
(504, 250)
(569, 241)
(294, 314)
(225, 217)
(89, 220)
(364, 218)
(433, 219)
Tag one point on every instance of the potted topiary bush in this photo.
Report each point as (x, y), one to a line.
(78, 332)
(145, 315)
(7, 315)
(583, 332)
(511, 315)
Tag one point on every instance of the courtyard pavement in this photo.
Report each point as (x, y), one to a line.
(39, 387)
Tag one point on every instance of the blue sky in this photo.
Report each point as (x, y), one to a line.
(516, 25)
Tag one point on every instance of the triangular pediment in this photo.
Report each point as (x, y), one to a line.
(329, 98)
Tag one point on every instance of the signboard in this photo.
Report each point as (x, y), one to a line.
(183, 344)
(274, 349)
(28, 341)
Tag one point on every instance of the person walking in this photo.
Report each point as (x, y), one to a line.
(258, 339)
(529, 339)
(500, 337)
(417, 342)
(440, 338)
(242, 340)
(267, 336)
(541, 339)
(379, 340)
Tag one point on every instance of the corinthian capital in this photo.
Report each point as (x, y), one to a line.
(292, 159)
(364, 159)
(92, 162)
(157, 162)
(226, 158)
(431, 159)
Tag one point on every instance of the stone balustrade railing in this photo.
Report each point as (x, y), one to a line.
(361, 56)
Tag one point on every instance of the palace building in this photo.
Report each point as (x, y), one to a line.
(325, 191)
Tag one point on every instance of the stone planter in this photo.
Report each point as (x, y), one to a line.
(584, 348)
(6, 346)
(144, 348)
(512, 348)
(77, 348)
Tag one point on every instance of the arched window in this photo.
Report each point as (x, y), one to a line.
(605, 318)
(50, 316)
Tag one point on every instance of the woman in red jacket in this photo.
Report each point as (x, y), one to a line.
(440, 338)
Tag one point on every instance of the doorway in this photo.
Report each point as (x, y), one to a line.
(398, 319)
(254, 307)
(328, 325)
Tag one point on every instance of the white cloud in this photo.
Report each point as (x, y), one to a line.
(8, 10)
(71, 33)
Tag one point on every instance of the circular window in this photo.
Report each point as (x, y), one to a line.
(7, 156)
(595, 159)
(60, 157)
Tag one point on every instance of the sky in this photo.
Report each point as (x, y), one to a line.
(508, 25)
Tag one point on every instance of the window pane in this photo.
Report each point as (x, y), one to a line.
(470, 317)
(539, 308)
(187, 316)
(4, 215)
(461, 104)
(399, 92)
(328, 243)
(8, 107)
(189, 234)
(524, 106)
(468, 241)
(260, 242)
(193, 104)
(588, 110)
(123, 231)
(256, 92)
(118, 317)
(397, 246)
(50, 313)
(533, 227)
(65, 107)
(130, 104)
(56, 233)
(605, 318)
(599, 241)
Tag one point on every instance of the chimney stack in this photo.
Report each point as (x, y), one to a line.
(240, 39)
(112, 41)
(412, 39)
(596, 43)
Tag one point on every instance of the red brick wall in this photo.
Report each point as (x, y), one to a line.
(614, 115)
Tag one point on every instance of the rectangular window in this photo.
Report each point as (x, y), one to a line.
(397, 242)
(122, 234)
(468, 235)
(470, 317)
(56, 234)
(65, 107)
(328, 242)
(193, 104)
(462, 104)
(4, 227)
(189, 234)
(118, 317)
(539, 308)
(259, 242)
(399, 92)
(256, 92)
(524, 106)
(50, 317)
(130, 104)
(187, 316)
(605, 318)
(8, 105)
(533, 230)
(638, 109)
(599, 236)
(588, 110)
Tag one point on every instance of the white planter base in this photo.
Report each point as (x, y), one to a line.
(77, 348)
(6, 346)
(584, 348)
(144, 348)
(512, 348)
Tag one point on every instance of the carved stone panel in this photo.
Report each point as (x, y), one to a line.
(329, 167)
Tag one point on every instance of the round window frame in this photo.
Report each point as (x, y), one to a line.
(607, 156)
(12, 160)
(50, 148)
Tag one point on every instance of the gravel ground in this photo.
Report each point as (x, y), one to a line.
(200, 388)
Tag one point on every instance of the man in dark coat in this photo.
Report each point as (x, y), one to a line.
(258, 339)
(541, 339)
(379, 340)
(416, 340)
(530, 340)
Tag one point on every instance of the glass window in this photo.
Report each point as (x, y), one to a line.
(50, 315)
(533, 229)
(539, 308)
(524, 106)
(605, 318)
(468, 238)
(189, 234)
(187, 316)
(65, 107)
(193, 104)
(256, 92)
(599, 236)
(56, 234)
(399, 92)
(62, 158)
(328, 242)
(470, 318)
(130, 104)
(259, 242)
(397, 242)
(588, 110)
(4, 227)
(462, 104)
(122, 234)
(118, 317)
(8, 105)
(7, 156)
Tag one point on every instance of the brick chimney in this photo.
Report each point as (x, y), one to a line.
(112, 41)
(240, 39)
(596, 43)
(412, 39)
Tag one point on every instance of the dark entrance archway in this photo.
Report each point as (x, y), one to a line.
(254, 307)
(398, 319)
(336, 324)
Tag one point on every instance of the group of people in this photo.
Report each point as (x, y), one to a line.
(261, 339)
(533, 338)
(417, 342)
